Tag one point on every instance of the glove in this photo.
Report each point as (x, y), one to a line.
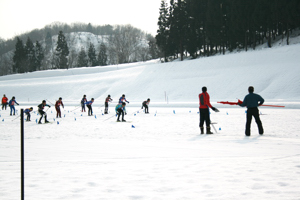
(126, 113)
(215, 109)
(49, 106)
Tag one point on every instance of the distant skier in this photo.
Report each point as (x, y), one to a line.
(41, 111)
(204, 111)
(11, 104)
(89, 105)
(108, 99)
(4, 102)
(27, 112)
(122, 99)
(83, 102)
(252, 101)
(120, 110)
(145, 104)
(57, 107)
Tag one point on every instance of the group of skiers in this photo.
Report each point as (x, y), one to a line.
(120, 107)
(251, 101)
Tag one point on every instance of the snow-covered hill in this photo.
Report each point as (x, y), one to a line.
(274, 72)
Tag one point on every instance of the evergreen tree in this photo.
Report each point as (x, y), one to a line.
(30, 56)
(48, 42)
(19, 58)
(102, 56)
(92, 56)
(39, 55)
(82, 60)
(178, 25)
(163, 29)
(62, 52)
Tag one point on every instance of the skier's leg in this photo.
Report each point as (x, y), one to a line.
(258, 122)
(248, 123)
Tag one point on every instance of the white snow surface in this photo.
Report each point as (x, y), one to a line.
(160, 155)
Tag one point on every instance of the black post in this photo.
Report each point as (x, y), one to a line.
(22, 154)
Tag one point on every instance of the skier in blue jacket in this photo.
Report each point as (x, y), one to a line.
(120, 110)
(11, 104)
(122, 99)
(27, 112)
(89, 105)
(252, 101)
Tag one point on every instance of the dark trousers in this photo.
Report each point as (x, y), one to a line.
(253, 112)
(146, 107)
(4, 105)
(82, 107)
(28, 116)
(58, 112)
(120, 112)
(106, 108)
(42, 113)
(90, 111)
(204, 116)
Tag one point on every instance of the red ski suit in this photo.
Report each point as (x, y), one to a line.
(204, 101)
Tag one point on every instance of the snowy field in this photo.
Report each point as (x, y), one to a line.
(159, 156)
(156, 156)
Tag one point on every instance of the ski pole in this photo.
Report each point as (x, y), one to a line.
(49, 102)
(109, 118)
(75, 108)
(15, 118)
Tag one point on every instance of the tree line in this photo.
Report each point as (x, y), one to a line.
(206, 27)
(116, 45)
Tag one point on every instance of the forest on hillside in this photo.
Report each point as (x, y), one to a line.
(206, 27)
(63, 46)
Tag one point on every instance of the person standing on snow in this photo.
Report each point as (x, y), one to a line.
(41, 111)
(89, 105)
(252, 101)
(204, 111)
(11, 104)
(108, 99)
(120, 109)
(4, 102)
(57, 107)
(83, 102)
(122, 99)
(27, 112)
(145, 104)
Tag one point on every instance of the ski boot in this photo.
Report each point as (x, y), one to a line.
(208, 130)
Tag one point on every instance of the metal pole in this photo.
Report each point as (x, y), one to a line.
(22, 154)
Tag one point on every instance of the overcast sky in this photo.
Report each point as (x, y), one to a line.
(20, 16)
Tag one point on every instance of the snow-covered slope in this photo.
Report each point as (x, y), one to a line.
(273, 72)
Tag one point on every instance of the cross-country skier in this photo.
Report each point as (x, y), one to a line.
(120, 109)
(27, 112)
(57, 107)
(252, 101)
(41, 111)
(122, 99)
(11, 104)
(204, 111)
(89, 105)
(4, 102)
(83, 102)
(145, 104)
(108, 99)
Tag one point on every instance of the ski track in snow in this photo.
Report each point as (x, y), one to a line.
(163, 157)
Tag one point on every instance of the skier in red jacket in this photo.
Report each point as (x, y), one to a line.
(57, 107)
(204, 111)
(4, 102)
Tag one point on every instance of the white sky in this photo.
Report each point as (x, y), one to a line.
(20, 16)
